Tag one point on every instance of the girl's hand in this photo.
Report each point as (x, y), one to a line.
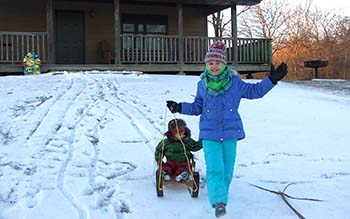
(173, 106)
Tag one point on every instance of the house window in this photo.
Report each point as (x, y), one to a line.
(145, 24)
(128, 28)
(156, 28)
(140, 28)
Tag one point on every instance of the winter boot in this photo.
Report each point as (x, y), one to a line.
(182, 176)
(166, 176)
(189, 178)
(220, 210)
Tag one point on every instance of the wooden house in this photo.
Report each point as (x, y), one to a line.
(141, 35)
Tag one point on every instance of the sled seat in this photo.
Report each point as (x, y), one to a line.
(192, 185)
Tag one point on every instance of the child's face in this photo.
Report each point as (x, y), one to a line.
(214, 67)
(179, 135)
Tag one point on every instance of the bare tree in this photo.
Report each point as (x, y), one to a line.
(222, 24)
(300, 33)
(341, 58)
(296, 42)
(275, 20)
(217, 22)
(266, 20)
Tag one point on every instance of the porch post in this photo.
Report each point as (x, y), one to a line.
(234, 32)
(180, 27)
(49, 27)
(117, 43)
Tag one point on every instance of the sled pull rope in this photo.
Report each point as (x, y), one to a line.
(160, 162)
(187, 159)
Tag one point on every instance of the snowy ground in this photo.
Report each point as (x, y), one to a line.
(341, 87)
(81, 146)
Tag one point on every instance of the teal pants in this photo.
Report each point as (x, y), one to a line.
(220, 157)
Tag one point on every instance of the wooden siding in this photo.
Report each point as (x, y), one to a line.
(23, 16)
(195, 26)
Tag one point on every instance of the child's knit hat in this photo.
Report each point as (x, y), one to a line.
(172, 124)
(217, 52)
(181, 124)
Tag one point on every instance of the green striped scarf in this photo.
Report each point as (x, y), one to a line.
(217, 84)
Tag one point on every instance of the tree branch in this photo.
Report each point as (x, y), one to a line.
(284, 197)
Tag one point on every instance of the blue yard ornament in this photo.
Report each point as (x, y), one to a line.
(31, 64)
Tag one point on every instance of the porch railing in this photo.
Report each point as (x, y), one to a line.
(165, 49)
(149, 49)
(143, 49)
(15, 45)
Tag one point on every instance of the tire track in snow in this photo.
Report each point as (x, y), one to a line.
(45, 131)
(93, 162)
(134, 124)
(48, 128)
(30, 115)
(119, 207)
(135, 105)
(66, 124)
(61, 109)
(82, 210)
(48, 109)
(122, 99)
(126, 114)
(43, 162)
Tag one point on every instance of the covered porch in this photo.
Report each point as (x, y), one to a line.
(165, 48)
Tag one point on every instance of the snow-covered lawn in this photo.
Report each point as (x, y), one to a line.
(80, 145)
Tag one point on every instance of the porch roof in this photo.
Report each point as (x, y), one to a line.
(199, 2)
(210, 6)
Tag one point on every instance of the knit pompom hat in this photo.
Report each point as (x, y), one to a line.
(217, 52)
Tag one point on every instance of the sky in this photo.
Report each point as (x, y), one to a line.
(339, 6)
(81, 146)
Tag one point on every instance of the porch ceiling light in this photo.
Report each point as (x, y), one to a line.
(92, 12)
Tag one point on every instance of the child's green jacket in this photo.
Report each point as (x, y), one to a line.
(174, 150)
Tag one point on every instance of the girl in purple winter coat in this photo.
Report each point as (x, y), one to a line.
(218, 96)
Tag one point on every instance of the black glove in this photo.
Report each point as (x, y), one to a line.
(173, 106)
(277, 74)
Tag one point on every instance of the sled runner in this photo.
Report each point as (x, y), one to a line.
(192, 183)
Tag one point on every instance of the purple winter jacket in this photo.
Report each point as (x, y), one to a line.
(219, 117)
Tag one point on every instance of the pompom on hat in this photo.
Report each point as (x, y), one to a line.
(216, 52)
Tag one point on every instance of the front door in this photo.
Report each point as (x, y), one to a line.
(70, 46)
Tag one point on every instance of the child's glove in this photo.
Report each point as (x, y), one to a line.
(173, 106)
(277, 74)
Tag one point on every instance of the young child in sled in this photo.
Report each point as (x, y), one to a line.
(177, 148)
